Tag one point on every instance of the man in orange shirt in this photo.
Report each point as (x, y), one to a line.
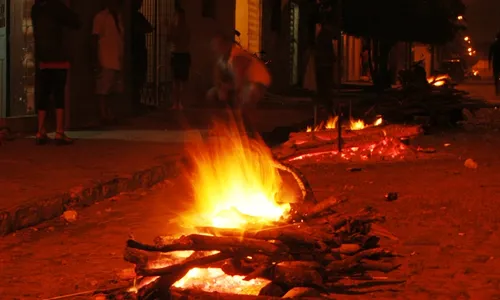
(108, 44)
(248, 76)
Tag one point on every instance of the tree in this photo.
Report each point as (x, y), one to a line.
(386, 22)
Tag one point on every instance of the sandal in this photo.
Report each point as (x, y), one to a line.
(41, 139)
(62, 139)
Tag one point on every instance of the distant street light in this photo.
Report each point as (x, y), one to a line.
(470, 49)
(466, 38)
(460, 18)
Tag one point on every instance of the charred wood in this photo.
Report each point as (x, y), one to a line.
(174, 271)
(199, 242)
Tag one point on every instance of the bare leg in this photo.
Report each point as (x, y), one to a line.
(41, 122)
(60, 120)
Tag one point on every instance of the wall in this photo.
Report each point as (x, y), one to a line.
(422, 52)
(241, 21)
(351, 58)
(203, 30)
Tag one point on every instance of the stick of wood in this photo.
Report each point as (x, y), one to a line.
(300, 233)
(337, 267)
(199, 242)
(178, 269)
(303, 183)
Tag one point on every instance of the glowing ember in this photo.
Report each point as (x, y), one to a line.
(332, 122)
(235, 181)
(211, 279)
(387, 148)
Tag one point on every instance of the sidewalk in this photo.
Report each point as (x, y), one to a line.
(40, 183)
(481, 89)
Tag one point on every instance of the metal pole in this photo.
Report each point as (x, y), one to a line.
(339, 128)
(315, 112)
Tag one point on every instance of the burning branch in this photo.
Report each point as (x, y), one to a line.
(199, 242)
(324, 246)
(303, 183)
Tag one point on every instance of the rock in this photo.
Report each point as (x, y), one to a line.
(272, 290)
(127, 274)
(470, 163)
(300, 292)
(70, 216)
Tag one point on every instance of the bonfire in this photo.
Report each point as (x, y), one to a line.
(253, 236)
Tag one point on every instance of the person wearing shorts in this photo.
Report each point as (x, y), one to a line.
(180, 62)
(109, 49)
(50, 18)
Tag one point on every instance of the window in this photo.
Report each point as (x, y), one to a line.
(208, 9)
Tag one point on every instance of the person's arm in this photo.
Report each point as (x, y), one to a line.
(65, 15)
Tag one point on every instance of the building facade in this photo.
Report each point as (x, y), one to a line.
(17, 66)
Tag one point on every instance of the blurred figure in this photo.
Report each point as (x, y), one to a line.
(108, 51)
(494, 60)
(49, 18)
(180, 38)
(249, 78)
(140, 28)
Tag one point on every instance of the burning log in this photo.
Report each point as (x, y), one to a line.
(303, 143)
(305, 187)
(324, 246)
(199, 242)
(397, 131)
(181, 269)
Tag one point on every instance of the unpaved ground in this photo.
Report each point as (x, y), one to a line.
(446, 218)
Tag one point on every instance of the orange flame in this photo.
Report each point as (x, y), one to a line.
(235, 181)
(332, 122)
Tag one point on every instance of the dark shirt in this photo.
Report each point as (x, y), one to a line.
(494, 56)
(49, 18)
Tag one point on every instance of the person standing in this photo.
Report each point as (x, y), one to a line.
(250, 79)
(140, 28)
(107, 55)
(494, 60)
(49, 18)
(180, 38)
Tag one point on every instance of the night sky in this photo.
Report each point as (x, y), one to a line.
(483, 19)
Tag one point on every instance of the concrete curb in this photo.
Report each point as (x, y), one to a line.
(45, 209)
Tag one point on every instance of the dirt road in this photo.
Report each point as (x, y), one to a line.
(446, 218)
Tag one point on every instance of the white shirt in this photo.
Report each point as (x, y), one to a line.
(110, 45)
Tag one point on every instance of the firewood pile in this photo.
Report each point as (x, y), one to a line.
(313, 249)
(434, 103)
(301, 143)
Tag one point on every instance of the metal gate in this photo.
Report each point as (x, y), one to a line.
(294, 42)
(159, 13)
